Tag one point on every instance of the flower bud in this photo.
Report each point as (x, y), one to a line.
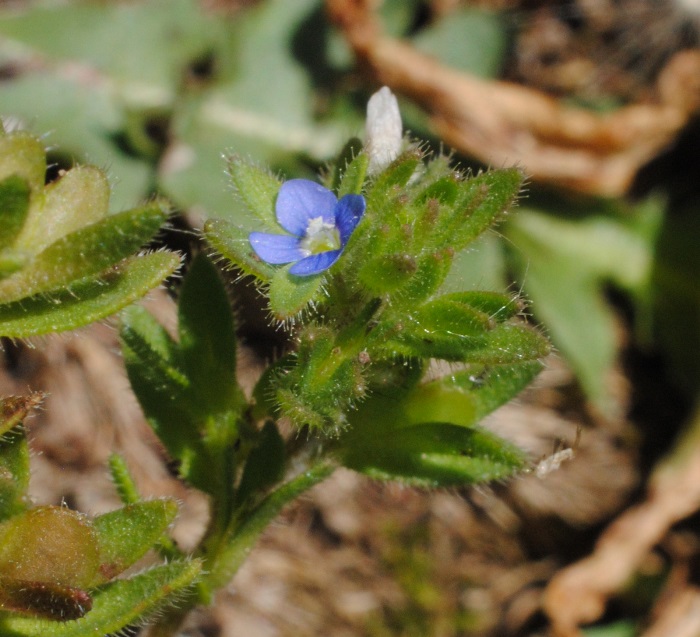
(383, 129)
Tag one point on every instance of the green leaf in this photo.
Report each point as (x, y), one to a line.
(139, 320)
(159, 384)
(165, 33)
(426, 434)
(482, 266)
(265, 464)
(434, 455)
(49, 544)
(125, 535)
(45, 600)
(123, 480)
(351, 151)
(264, 404)
(281, 42)
(491, 387)
(604, 246)
(440, 401)
(352, 172)
(460, 398)
(231, 241)
(22, 156)
(116, 605)
(105, 120)
(444, 189)
(483, 202)
(76, 200)
(394, 176)
(148, 348)
(386, 273)
(323, 383)
(290, 295)
(441, 328)
(430, 274)
(258, 189)
(505, 344)
(11, 261)
(89, 301)
(83, 253)
(129, 494)
(497, 306)
(451, 314)
(14, 205)
(208, 340)
(469, 39)
(508, 344)
(190, 432)
(566, 295)
(14, 472)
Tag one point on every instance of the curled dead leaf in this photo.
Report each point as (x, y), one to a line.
(503, 123)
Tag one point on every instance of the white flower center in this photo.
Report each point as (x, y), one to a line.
(320, 237)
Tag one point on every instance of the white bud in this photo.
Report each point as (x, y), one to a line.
(383, 129)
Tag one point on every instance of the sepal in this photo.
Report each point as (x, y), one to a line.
(350, 170)
(289, 295)
(258, 189)
(231, 242)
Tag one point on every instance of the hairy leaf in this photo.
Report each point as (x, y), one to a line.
(116, 605)
(87, 301)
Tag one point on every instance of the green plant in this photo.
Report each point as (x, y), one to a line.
(65, 261)
(354, 270)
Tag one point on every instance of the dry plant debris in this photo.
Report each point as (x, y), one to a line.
(503, 123)
(578, 594)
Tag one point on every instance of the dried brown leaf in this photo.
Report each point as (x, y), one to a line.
(503, 123)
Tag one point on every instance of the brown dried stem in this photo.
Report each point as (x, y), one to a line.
(502, 123)
(578, 594)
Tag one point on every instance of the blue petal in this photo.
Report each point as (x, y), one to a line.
(276, 248)
(348, 213)
(299, 201)
(315, 263)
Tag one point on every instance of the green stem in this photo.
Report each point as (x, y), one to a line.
(226, 563)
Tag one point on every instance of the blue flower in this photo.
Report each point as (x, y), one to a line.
(319, 227)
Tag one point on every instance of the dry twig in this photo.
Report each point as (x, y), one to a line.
(681, 617)
(578, 594)
(502, 123)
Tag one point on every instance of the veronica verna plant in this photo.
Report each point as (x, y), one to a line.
(354, 269)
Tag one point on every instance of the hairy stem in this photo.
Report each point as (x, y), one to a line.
(225, 565)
